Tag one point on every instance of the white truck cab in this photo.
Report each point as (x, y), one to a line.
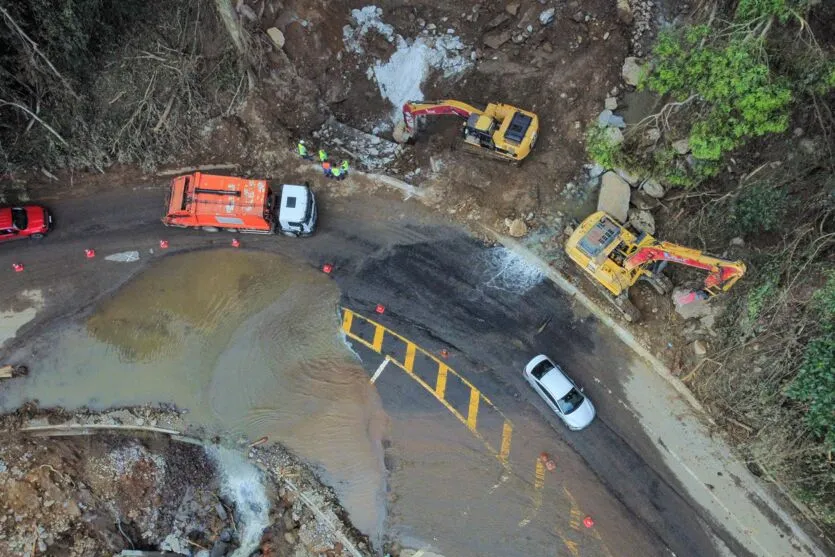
(296, 211)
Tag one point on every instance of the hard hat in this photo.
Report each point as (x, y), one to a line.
(301, 141)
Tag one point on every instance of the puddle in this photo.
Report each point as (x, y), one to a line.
(249, 344)
(20, 312)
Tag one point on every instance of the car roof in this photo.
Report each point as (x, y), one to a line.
(556, 382)
(295, 210)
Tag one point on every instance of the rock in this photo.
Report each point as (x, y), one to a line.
(547, 16)
(289, 538)
(512, 8)
(611, 103)
(653, 189)
(699, 348)
(614, 196)
(682, 146)
(519, 38)
(798, 132)
(689, 305)
(614, 136)
(625, 12)
(546, 46)
(518, 228)
(606, 118)
(595, 170)
(276, 36)
(496, 40)
(289, 523)
(606, 36)
(652, 135)
(640, 200)
(739, 242)
(496, 21)
(579, 17)
(809, 146)
(628, 176)
(632, 71)
(642, 220)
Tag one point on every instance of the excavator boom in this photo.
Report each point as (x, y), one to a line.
(413, 109)
(722, 274)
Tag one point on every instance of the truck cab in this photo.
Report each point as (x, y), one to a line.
(296, 212)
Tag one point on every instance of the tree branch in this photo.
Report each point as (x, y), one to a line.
(35, 116)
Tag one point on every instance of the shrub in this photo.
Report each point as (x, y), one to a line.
(815, 381)
(738, 96)
(760, 208)
(601, 147)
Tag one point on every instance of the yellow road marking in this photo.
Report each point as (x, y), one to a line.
(577, 514)
(507, 432)
(439, 389)
(379, 332)
(440, 384)
(347, 321)
(572, 547)
(472, 413)
(538, 485)
(409, 362)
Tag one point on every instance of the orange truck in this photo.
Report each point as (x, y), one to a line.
(213, 203)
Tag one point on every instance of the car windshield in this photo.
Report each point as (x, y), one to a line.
(541, 369)
(19, 218)
(570, 402)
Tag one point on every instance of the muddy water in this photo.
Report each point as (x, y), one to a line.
(249, 344)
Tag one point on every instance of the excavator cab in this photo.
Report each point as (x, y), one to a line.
(478, 130)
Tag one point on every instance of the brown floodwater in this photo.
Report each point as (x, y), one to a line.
(249, 343)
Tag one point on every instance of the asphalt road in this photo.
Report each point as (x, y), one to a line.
(454, 484)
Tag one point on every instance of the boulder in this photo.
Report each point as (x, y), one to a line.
(653, 189)
(611, 103)
(738, 242)
(625, 12)
(614, 196)
(518, 228)
(276, 36)
(579, 17)
(512, 8)
(652, 135)
(682, 146)
(547, 16)
(642, 220)
(632, 70)
(699, 348)
(496, 21)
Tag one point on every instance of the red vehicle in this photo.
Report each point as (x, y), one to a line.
(29, 221)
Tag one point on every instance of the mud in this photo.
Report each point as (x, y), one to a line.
(247, 344)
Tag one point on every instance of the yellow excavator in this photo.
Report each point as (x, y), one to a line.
(617, 257)
(500, 131)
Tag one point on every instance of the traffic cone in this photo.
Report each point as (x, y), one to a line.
(327, 268)
(444, 353)
(90, 253)
(18, 267)
(163, 244)
(588, 522)
(235, 243)
(381, 309)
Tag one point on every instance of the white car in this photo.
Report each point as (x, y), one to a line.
(559, 392)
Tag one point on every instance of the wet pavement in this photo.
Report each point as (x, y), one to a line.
(249, 343)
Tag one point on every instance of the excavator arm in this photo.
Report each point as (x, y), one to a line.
(413, 109)
(722, 274)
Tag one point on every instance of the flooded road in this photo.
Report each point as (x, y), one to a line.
(248, 343)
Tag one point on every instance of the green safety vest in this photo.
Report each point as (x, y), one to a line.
(302, 149)
(344, 166)
(323, 156)
(336, 172)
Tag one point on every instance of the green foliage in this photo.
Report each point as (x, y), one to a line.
(760, 209)
(815, 381)
(783, 10)
(601, 147)
(740, 97)
(757, 298)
